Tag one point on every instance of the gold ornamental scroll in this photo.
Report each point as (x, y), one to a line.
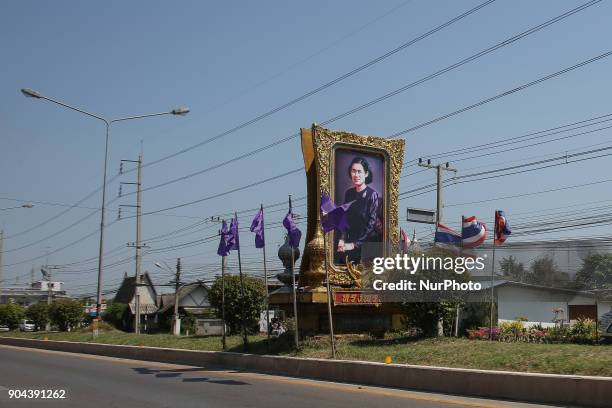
(319, 148)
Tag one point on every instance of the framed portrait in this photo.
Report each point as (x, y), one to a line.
(362, 170)
(360, 179)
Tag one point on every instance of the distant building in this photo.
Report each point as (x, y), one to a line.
(37, 292)
(542, 305)
(192, 302)
(148, 299)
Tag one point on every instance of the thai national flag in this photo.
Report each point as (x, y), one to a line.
(473, 233)
(447, 239)
(502, 228)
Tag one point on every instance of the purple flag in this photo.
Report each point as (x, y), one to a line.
(292, 230)
(333, 217)
(257, 226)
(223, 249)
(233, 240)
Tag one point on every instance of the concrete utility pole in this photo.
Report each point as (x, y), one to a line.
(49, 290)
(136, 245)
(176, 326)
(439, 183)
(439, 203)
(1, 252)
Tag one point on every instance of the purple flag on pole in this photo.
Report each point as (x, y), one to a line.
(333, 217)
(233, 240)
(257, 226)
(223, 249)
(294, 232)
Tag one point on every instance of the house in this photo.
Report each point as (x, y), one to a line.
(37, 292)
(148, 300)
(542, 304)
(192, 300)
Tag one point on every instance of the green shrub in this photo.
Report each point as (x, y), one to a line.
(11, 314)
(39, 314)
(66, 313)
(584, 331)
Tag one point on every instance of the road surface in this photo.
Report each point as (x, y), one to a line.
(95, 381)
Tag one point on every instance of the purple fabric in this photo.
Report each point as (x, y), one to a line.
(292, 230)
(233, 240)
(223, 249)
(257, 226)
(333, 217)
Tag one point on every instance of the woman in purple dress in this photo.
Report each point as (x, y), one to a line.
(363, 215)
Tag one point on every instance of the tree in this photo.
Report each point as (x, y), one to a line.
(596, 272)
(66, 313)
(39, 314)
(11, 314)
(513, 269)
(115, 314)
(254, 300)
(544, 272)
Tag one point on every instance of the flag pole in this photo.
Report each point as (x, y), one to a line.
(457, 306)
(223, 261)
(295, 315)
(245, 342)
(266, 278)
(492, 278)
(329, 298)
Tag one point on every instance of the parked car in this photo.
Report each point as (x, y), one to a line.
(27, 326)
(606, 327)
(4, 328)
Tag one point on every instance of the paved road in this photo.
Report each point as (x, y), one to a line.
(95, 381)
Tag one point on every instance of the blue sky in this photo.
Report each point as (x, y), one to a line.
(232, 61)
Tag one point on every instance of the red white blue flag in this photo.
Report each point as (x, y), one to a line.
(502, 228)
(447, 239)
(473, 232)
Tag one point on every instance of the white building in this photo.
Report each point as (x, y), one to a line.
(542, 304)
(37, 292)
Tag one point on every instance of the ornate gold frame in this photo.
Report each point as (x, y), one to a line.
(318, 147)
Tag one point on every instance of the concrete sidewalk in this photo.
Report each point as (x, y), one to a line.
(529, 387)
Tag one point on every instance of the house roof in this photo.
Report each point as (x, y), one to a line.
(125, 293)
(505, 282)
(185, 290)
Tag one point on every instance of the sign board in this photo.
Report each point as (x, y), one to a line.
(422, 216)
(351, 297)
(209, 327)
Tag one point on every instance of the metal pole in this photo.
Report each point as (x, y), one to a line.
(439, 193)
(176, 298)
(294, 293)
(101, 245)
(266, 279)
(245, 341)
(223, 261)
(492, 279)
(329, 299)
(1, 253)
(138, 237)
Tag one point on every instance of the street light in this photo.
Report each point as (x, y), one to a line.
(108, 122)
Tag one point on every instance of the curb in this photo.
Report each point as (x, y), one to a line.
(528, 387)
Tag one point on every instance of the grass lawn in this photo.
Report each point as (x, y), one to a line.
(447, 352)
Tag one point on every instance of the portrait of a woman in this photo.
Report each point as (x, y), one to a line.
(364, 214)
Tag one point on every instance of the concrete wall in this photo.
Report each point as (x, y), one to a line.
(542, 388)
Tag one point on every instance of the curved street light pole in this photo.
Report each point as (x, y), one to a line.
(108, 122)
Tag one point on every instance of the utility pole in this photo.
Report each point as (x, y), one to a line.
(176, 325)
(439, 202)
(49, 289)
(136, 245)
(1, 252)
(439, 184)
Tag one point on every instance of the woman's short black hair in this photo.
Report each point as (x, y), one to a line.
(366, 167)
